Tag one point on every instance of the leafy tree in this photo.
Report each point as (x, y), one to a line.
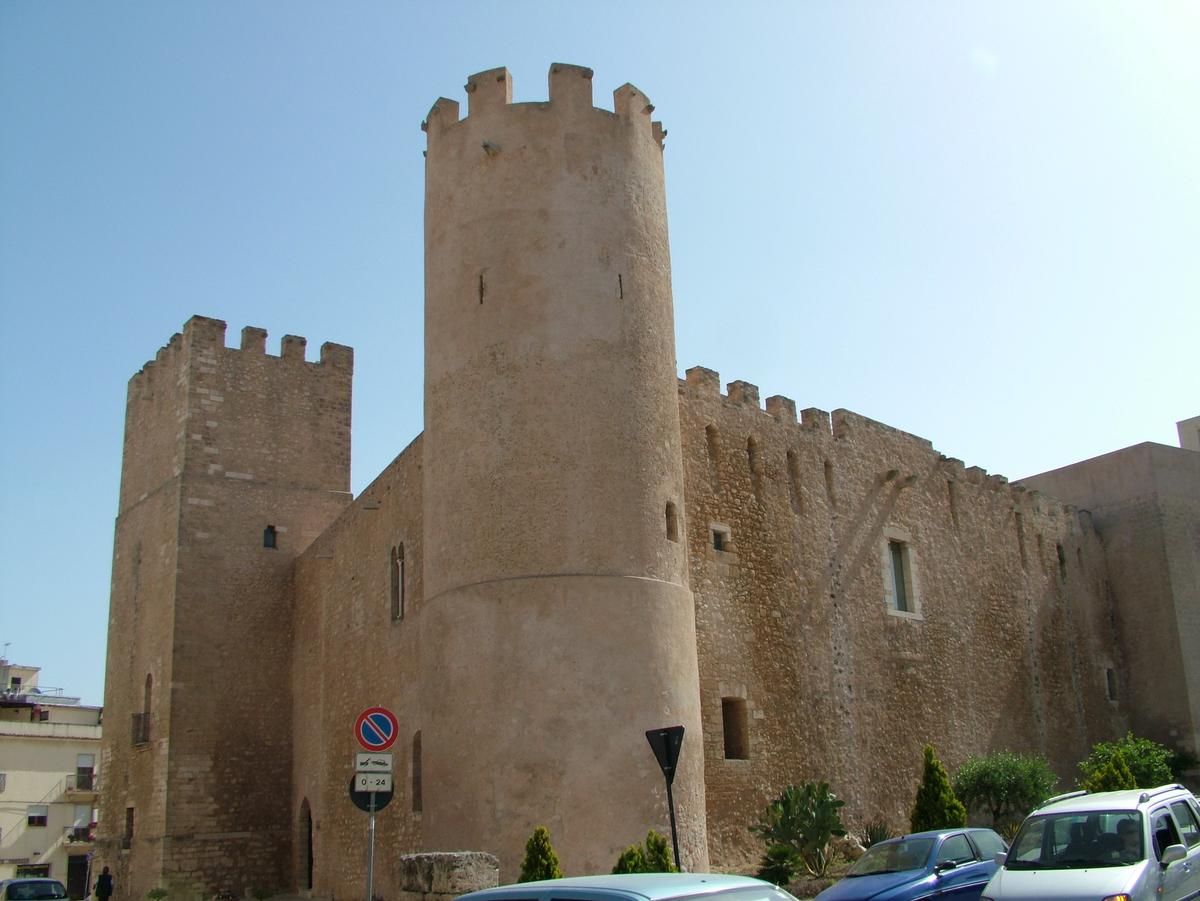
(936, 806)
(804, 818)
(779, 865)
(1149, 762)
(540, 860)
(1111, 777)
(1005, 784)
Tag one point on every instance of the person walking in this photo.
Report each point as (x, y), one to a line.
(104, 886)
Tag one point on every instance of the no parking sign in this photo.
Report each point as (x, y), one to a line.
(376, 728)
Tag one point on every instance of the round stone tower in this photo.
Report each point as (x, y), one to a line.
(557, 625)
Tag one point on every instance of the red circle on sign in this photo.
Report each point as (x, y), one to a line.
(376, 728)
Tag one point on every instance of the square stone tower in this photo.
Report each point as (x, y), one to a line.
(234, 461)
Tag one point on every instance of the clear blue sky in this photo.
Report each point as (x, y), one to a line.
(979, 222)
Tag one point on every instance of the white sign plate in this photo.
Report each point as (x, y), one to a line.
(373, 782)
(372, 762)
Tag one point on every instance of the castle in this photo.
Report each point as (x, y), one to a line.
(577, 548)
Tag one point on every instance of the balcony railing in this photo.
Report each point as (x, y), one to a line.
(83, 782)
(79, 834)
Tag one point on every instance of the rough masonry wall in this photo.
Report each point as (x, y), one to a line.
(220, 444)
(267, 444)
(352, 653)
(1145, 501)
(1007, 648)
(141, 623)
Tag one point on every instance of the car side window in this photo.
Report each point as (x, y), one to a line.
(1188, 825)
(1164, 832)
(957, 849)
(988, 844)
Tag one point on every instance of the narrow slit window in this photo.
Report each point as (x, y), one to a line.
(900, 576)
(722, 538)
(1021, 540)
(793, 467)
(952, 496)
(830, 491)
(672, 522)
(416, 772)
(1110, 679)
(712, 441)
(269, 537)
(1062, 562)
(396, 569)
(127, 836)
(735, 726)
(754, 462)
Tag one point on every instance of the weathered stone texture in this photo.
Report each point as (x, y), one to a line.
(1145, 500)
(350, 653)
(793, 618)
(221, 444)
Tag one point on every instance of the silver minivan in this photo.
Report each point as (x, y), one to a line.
(1137, 845)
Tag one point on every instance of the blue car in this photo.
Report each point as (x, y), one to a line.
(944, 863)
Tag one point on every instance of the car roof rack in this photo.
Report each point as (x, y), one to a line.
(1161, 790)
(1075, 794)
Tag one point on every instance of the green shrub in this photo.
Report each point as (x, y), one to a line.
(157, 893)
(540, 860)
(1149, 762)
(1005, 784)
(779, 865)
(1113, 776)
(873, 832)
(936, 806)
(653, 857)
(805, 819)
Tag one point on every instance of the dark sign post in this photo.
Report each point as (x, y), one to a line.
(666, 744)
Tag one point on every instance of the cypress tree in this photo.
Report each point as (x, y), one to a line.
(936, 806)
(540, 860)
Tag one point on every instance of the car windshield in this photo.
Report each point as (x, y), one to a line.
(893, 857)
(1087, 838)
(35, 891)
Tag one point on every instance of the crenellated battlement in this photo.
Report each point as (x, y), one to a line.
(201, 333)
(845, 425)
(570, 94)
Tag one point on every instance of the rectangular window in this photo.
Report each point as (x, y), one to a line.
(735, 725)
(1110, 677)
(3, 781)
(37, 814)
(33, 871)
(901, 582)
(127, 838)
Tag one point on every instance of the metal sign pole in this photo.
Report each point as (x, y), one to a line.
(674, 834)
(371, 851)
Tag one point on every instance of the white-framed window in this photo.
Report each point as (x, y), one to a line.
(37, 814)
(900, 586)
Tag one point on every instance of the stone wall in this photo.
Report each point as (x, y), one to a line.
(243, 443)
(1145, 500)
(350, 653)
(1004, 647)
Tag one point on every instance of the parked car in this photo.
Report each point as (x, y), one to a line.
(31, 889)
(943, 863)
(1137, 845)
(637, 887)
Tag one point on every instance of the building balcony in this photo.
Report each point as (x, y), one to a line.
(79, 838)
(81, 788)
